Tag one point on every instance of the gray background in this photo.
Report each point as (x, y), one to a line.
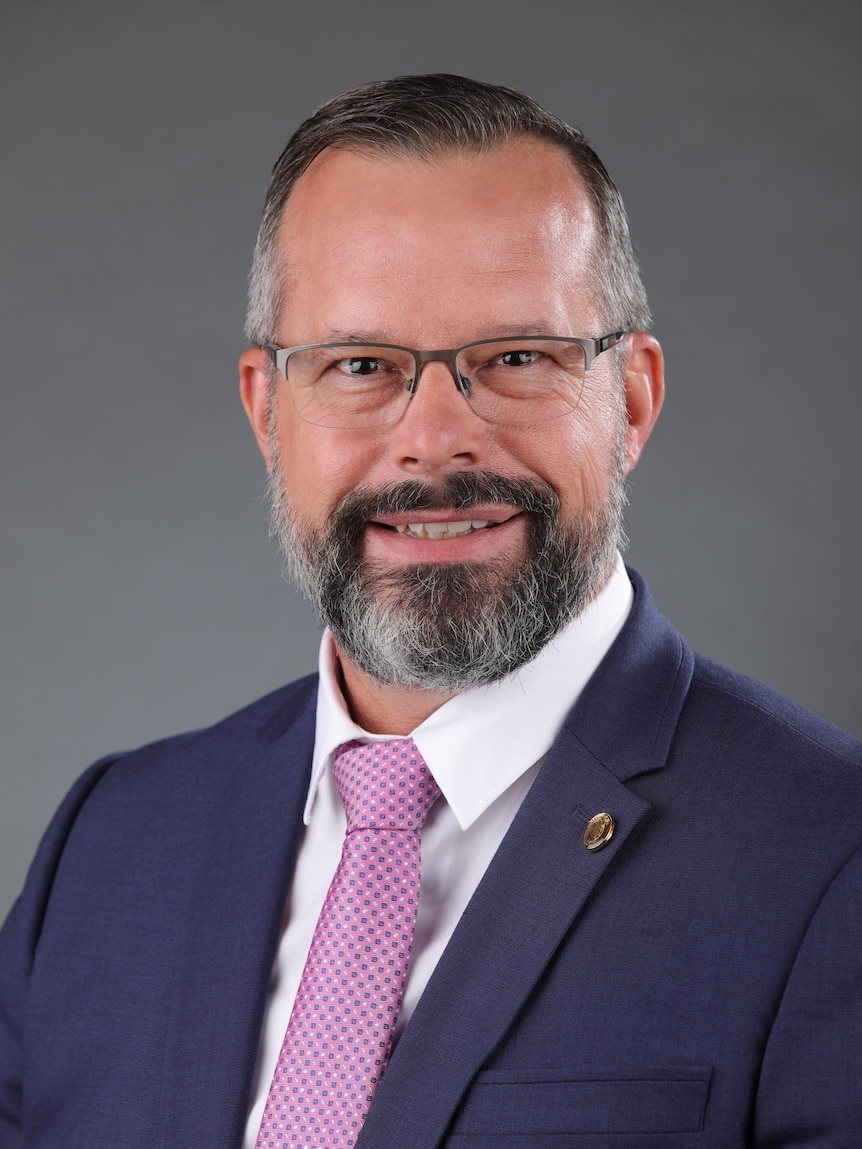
(140, 594)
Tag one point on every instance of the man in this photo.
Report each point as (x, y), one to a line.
(640, 873)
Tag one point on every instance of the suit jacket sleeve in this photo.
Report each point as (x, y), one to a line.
(810, 1089)
(19, 939)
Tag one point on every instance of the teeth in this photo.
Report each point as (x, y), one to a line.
(441, 530)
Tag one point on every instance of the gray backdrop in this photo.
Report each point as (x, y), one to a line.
(141, 596)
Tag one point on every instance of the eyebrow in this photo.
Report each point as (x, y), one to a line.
(507, 330)
(339, 335)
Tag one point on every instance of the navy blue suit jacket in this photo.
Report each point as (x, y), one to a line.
(697, 982)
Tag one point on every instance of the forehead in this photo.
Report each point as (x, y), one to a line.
(515, 219)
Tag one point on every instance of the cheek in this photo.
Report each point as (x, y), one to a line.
(320, 466)
(575, 455)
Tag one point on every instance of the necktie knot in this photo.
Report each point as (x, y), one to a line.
(384, 785)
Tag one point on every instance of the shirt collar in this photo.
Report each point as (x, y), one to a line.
(479, 742)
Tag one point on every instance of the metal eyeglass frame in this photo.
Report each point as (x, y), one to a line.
(590, 347)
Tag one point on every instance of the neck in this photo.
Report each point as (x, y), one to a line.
(386, 709)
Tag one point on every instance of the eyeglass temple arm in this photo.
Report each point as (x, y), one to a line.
(600, 345)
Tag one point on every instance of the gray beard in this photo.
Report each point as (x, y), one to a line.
(450, 626)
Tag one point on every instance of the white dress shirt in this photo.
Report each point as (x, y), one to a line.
(484, 748)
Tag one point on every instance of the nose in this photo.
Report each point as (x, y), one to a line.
(439, 430)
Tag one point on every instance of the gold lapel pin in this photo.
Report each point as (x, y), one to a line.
(599, 831)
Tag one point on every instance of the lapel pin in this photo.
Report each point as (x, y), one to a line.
(599, 831)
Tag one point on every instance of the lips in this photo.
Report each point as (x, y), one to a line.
(459, 518)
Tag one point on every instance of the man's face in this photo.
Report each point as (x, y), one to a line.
(433, 254)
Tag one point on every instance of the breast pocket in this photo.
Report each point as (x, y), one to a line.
(502, 1105)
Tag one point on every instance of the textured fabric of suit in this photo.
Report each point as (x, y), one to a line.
(697, 982)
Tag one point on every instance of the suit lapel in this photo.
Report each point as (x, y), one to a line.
(233, 933)
(538, 881)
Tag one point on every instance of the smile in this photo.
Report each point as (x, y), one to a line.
(451, 530)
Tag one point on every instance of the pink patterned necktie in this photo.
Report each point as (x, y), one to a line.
(340, 1031)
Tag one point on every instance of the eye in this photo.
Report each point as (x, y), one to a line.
(359, 365)
(520, 357)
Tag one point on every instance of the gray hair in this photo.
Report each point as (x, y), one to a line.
(427, 116)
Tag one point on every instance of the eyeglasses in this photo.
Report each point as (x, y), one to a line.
(521, 379)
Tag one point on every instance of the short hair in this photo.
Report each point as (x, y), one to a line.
(428, 116)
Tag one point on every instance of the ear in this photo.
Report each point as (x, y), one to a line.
(255, 371)
(644, 388)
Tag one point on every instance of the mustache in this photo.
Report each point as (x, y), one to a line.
(459, 491)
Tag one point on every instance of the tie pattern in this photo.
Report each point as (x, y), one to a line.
(340, 1031)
